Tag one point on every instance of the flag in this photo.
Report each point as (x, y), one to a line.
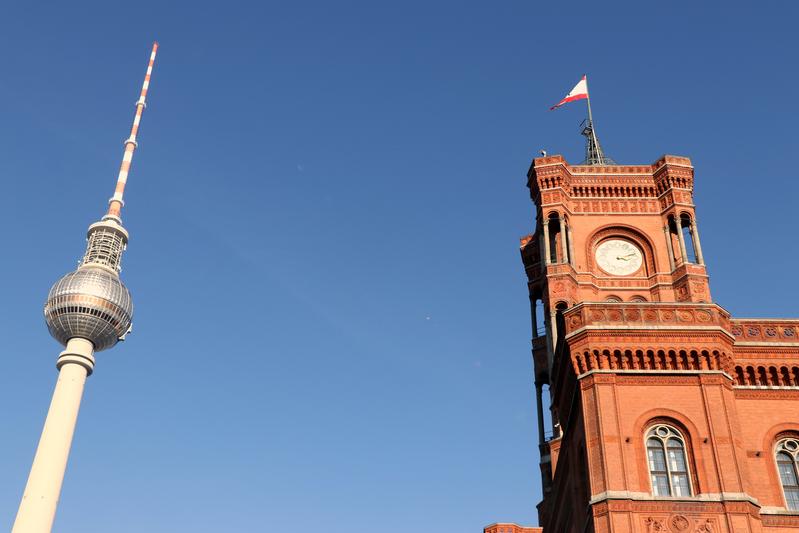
(580, 92)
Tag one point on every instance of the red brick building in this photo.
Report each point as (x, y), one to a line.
(664, 413)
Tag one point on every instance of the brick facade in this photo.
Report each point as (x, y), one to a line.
(629, 342)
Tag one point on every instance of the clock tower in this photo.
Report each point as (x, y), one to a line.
(657, 411)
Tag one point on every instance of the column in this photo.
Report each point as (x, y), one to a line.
(540, 405)
(564, 241)
(542, 251)
(547, 254)
(557, 430)
(37, 509)
(697, 245)
(553, 331)
(533, 316)
(571, 244)
(549, 325)
(669, 246)
(682, 241)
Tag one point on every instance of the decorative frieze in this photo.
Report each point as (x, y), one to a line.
(619, 206)
(780, 520)
(644, 315)
(678, 523)
(753, 330)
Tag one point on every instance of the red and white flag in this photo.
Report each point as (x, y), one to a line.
(580, 92)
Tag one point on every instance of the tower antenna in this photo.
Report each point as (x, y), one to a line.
(116, 202)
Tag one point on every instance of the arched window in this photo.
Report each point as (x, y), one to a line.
(558, 245)
(560, 322)
(787, 455)
(668, 464)
(688, 239)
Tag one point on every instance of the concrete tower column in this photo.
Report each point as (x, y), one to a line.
(669, 246)
(40, 499)
(697, 245)
(681, 238)
(564, 241)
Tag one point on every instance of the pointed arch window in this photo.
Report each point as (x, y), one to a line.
(787, 455)
(667, 460)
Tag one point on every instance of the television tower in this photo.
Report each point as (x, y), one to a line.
(87, 311)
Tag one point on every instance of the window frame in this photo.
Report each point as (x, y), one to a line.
(781, 447)
(671, 432)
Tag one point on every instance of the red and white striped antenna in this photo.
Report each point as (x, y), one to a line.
(116, 202)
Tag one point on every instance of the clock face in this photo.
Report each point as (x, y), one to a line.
(619, 257)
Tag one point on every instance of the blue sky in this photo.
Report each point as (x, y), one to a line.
(332, 326)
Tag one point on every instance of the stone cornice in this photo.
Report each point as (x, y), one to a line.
(699, 498)
(654, 373)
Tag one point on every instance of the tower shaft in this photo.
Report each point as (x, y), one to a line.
(40, 499)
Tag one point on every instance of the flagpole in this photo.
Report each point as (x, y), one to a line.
(593, 152)
(590, 115)
(600, 156)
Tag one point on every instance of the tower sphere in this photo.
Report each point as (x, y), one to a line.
(91, 303)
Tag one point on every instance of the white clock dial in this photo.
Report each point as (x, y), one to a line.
(619, 257)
